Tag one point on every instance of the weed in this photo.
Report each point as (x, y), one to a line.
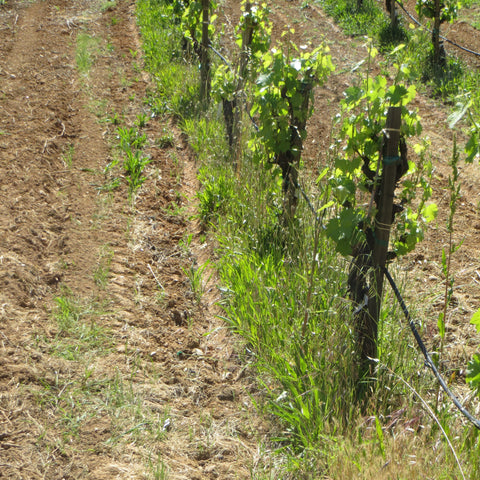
(68, 154)
(68, 313)
(114, 119)
(174, 210)
(166, 140)
(87, 49)
(132, 142)
(134, 164)
(130, 139)
(206, 136)
(158, 468)
(142, 120)
(78, 333)
(101, 273)
(196, 277)
(185, 242)
(215, 194)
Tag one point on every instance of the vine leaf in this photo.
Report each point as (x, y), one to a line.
(430, 212)
(343, 230)
(472, 147)
(473, 372)
(476, 320)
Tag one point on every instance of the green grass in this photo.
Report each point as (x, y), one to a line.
(368, 20)
(68, 154)
(79, 334)
(78, 390)
(87, 49)
(164, 60)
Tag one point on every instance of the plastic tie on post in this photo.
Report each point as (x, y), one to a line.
(391, 160)
(379, 241)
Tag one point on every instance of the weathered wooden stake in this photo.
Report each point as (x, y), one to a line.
(369, 316)
(393, 14)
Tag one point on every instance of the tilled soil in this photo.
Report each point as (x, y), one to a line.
(152, 380)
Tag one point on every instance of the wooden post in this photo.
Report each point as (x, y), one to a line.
(393, 14)
(369, 316)
(204, 57)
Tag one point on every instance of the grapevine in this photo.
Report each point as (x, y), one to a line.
(283, 102)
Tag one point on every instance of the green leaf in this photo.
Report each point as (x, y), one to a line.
(476, 320)
(441, 326)
(397, 93)
(343, 230)
(378, 428)
(353, 95)
(472, 148)
(347, 165)
(430, 212)
(458, 113)
(473, 372)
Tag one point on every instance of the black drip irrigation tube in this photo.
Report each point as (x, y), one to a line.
(428, 360)
(445, 39)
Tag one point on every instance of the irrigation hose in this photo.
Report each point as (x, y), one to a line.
(428, 360)
(400, 4)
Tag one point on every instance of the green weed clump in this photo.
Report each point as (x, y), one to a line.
(369, 19)
(79, 334)
(87, 48)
